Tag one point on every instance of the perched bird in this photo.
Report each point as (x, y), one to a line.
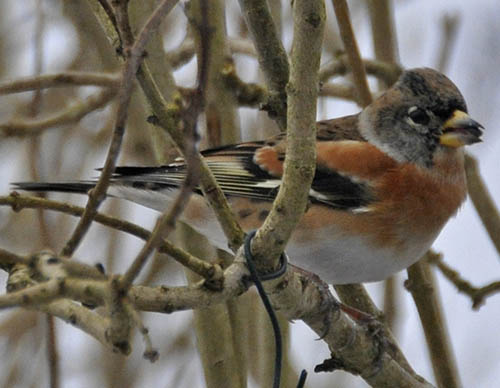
(387, 180)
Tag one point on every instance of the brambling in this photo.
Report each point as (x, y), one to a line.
(387, 180)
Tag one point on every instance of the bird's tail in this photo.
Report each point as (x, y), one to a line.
(80, 187)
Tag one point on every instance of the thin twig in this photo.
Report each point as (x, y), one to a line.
(271, 55)
(383, 32)
(74, 113)
(168, 116)
(10, 258)
(81, 317)
(385, 48)
(478, 295)
(391, 311)
(344, 92)
(387, 72)
(97, 195)
(166, 222)
(186, 50)
(246, 94)
(422, 286)
(33, 296)
(53, 353)
(449, 36)
(164, 225)
(352, 50)
(253, 95)
(34, 108)
(168, 119)
(181, 54)
(482, 201)
(242, 46)
(17, 202)
(221, 118)
(149, 353)
(122, 25)
(213, 326)
(65, 79)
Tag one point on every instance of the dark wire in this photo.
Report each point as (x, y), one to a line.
(302, 379)
(267, 305)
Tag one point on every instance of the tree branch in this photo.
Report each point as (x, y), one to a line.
(482, 201)
(167, 116)
(271, 55)
(65, 79)
(75, 112)
(166, 222)
(291, 201)
(352, 50)
(422, 286)
(299, 295)
(478, 295)
(208, 271)
(98, 194)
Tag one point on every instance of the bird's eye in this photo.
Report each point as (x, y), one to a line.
(418, 116)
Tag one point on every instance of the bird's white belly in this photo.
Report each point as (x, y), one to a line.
(335, 257)
(340, 259)
(353, 259)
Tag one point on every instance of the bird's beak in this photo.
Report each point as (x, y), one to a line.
(459, 130)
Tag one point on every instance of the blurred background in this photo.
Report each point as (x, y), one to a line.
(50, 36)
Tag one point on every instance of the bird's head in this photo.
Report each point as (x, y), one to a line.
(421, 113)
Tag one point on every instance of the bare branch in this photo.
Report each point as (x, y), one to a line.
(7, 257)
(344, 92)
(383, 31)
(246, 94)
(482, 201)
(166, 223)
(150, 353)
(70, 78)
(299, 295)
(291, 201)
(34, 295)
(210, 272)
(478, 295)
(271, 55)
(352, 50)
(168, 118)
(80, 317)
(120, 327)
(97, 195)
(449, 36)
(185, 52)
(422, 286)
(75, 112)
(387, 72)
(355, 295)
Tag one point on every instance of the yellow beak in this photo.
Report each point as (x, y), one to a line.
(459, 130)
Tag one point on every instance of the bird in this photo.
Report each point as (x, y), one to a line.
(387, 180)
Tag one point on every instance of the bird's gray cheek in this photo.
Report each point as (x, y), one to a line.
(422, 129)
